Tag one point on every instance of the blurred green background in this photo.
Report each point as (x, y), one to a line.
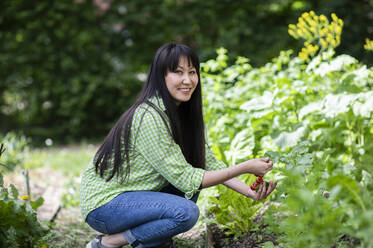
(68, 69)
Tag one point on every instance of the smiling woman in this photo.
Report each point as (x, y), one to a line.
(182, 82)
(142, 186)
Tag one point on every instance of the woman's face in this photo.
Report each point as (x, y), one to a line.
(182, 82)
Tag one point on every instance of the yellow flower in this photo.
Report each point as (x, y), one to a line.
(323, 18)
(24, 197)
(334, 43)
(303, 56)
(43, 246)
(307, 34)
(302, 23)
(338, 30)
(323, 43)
(368, 44)
(12, 153)
(291, 32)
(329, 38)
(323, 31)
(316, 29)
(334, 17)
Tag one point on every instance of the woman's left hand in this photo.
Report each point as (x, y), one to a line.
(263, 191)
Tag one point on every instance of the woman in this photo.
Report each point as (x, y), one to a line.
(144, 180)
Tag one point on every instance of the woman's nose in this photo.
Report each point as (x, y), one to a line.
(187, 79)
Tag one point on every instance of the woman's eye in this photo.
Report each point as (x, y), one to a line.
(192, 72)
(178, 72)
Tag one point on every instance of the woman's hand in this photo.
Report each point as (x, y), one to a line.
(265, 189)
(259, 166)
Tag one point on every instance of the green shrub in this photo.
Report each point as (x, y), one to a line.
(328, 101)
(16, 149)
(19, 226)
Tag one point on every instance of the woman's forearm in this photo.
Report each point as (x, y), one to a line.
(258, 166)
(239, 186)
(212, 178)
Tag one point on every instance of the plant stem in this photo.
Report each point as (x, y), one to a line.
(25, 172)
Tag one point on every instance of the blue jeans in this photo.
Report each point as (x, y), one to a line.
(146, 218)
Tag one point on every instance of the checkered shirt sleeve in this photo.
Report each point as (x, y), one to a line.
(155, 143)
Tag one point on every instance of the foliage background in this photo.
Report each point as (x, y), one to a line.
(313, 117)
(70, 68)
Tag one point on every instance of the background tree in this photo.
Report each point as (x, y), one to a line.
(69, 68)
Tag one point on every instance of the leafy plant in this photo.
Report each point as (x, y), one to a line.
(232, 211)
(304, 216)
(15, 152)
(19, 226)
(328, 102)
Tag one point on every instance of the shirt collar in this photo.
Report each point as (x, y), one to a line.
(158, 101)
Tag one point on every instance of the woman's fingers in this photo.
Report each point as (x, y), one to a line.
(271, 187)
(269, 166)
(262, 191)
(265, 190)
(259, 192)
(265, 159)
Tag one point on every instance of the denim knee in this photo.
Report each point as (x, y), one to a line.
(189, 215)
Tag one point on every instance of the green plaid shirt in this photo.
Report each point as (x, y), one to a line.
(156, 160)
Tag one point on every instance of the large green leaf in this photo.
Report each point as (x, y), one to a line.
(290, 139)
(337, 64)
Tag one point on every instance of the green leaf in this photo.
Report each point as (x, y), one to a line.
(273, 155)
(351, 188)
(339, 63)
(290, 139)
(36, 204)
(14, 191)
(259, 103)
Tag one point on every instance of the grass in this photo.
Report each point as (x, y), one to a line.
(71, 161)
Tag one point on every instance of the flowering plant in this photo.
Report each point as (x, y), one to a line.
(19, 226)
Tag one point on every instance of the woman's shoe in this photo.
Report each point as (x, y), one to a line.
(96, 243)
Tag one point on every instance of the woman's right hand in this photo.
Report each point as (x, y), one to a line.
(259, 166)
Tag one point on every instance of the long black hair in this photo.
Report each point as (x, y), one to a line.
(186, 120)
